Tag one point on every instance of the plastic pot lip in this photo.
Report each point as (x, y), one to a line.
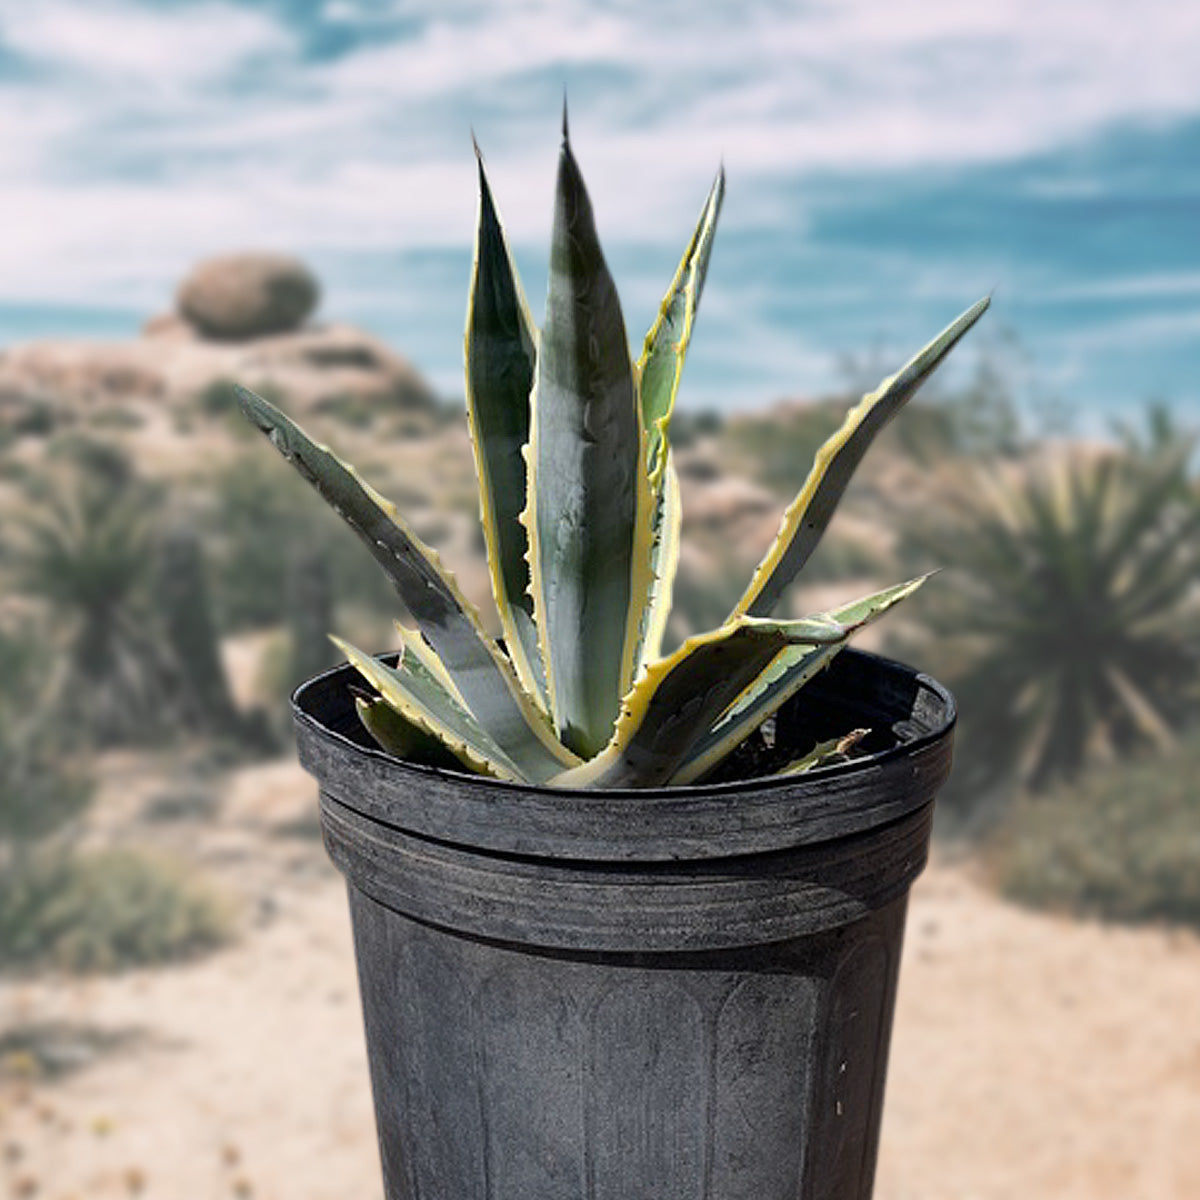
(754, 783)
(623, 824)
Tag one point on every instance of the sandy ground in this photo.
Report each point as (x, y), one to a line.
(1033, 1057)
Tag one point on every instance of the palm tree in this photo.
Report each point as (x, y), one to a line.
(1069, 627)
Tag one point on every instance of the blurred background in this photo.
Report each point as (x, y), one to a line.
(283, 194)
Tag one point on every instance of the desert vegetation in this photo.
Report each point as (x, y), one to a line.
(1118, 844)
(164, 584)
(1069, 626)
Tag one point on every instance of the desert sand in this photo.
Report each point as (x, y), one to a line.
(1033, 1056)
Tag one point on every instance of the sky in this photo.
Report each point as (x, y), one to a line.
(888, 164)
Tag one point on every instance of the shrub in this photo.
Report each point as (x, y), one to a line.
(107, 910)
(1122, 843)
(769, 447)
(256, 522)
(52, 1050)
(118, 419)
(40, 788)
(39, 791)
(132, 654)
(184, 800)
(81, 549)
(215, 399)
(1070, 630)
(96, 457)
(39, 418)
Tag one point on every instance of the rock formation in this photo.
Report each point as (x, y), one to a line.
(239, 296)
(241, 318)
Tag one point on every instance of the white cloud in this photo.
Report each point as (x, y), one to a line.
(131, 152)
(846, 84)
(123, 42)
(1157, 286)
(1140, 332)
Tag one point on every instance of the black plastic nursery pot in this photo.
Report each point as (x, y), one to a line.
(668, 994)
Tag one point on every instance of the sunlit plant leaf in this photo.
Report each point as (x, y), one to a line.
(807, 517)
(787, 673)
(481, 672)
(588, 512)
(683, 694)
(418, 697)
(501, 359)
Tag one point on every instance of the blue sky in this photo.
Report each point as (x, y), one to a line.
(887, 164)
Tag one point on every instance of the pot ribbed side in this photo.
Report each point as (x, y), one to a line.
(699, 904)
(505, 1074)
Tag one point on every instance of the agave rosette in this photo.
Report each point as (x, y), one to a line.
(581, 516)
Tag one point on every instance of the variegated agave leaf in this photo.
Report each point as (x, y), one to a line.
(419, 697)
(589, 513)
(661, 365)
(501, 358)
(809, 514)
(395, 733)
(686, 692)
(787, 673)
(658, 373)
(417, 651)
(664, 562)
(481, 672)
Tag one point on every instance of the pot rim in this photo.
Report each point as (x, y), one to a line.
(650, 824)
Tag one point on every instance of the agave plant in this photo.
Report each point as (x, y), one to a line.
(581, 515)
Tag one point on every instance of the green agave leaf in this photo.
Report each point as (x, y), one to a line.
(482, 674)
(420, 699)
(824, 753)
(589, 512)
(395, 733)
(661, 365)
(809, 514)
(682, 694)
(501, 357)
(787, 673)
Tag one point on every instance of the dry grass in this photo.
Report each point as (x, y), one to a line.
(106, 911)
(1121, 844)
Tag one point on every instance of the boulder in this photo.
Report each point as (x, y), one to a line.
(241, 296)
